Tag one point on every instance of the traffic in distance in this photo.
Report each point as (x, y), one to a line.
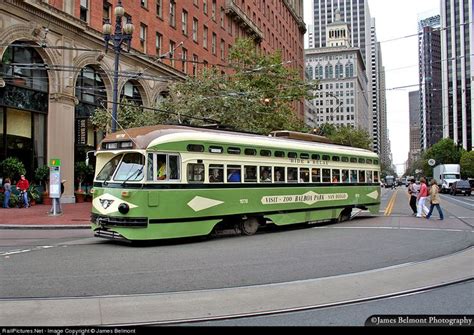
(168, 181)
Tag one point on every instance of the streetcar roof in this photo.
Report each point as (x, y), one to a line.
(150, 136)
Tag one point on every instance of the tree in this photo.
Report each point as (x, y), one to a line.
(345, 135)
(12, 168)
(445, 151)
(256, 97)
(129, 116)
(467, 164)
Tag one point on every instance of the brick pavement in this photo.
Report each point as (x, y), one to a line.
(77, 214)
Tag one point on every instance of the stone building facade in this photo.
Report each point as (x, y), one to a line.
(54, 71)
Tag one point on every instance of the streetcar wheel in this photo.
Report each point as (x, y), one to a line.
(249, 226)
(345, 215)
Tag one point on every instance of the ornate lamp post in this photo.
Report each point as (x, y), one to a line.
(120, 36)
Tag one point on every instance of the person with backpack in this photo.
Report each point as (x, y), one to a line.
(435, 200)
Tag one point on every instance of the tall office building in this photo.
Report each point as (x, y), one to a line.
(429, 51)
(342, 97)
(457, 56)
(356, 14)
(414, 119)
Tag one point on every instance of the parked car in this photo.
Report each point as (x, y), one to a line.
(461, 187)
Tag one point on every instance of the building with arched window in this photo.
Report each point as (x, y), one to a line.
(54, 72)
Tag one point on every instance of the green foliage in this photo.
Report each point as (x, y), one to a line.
(256, 97)
(12, 168)
(346, 135)
(42, 174)
(445, 151)
(82, 172)
(467, 164)
(33, 193)
(129, 116)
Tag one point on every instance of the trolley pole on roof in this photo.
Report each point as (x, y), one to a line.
(119, 37)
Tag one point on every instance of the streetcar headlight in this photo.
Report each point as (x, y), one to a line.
(123, 208)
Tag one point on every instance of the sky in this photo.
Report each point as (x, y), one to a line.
(396, 22)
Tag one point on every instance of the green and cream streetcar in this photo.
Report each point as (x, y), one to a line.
(165, 182)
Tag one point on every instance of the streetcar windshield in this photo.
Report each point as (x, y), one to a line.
(109, 168)
(131, 167)
(127, 167)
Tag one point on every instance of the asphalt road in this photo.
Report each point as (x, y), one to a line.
(67, 263)
(72, 263)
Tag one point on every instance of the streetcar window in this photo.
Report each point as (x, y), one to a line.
(279, 176)
(250, 152)
(233, 173)
(215, 149)
(336, 175)
(233, 151)
(266, 153)
(368, 161)
(150, 168)
(326, 175)
(316, 157)
(368, 176)
(304, 175)
(279, 154)
(376, 176)
(195, 147)
(353, 176)
(353, 160)
(304, 156)
(109, 168)
(292, 155)
(345, 176)
(326, 157)
(376, 162)
(162, 170)
(316, 175)
(250, 173)
(361, 176)
(195, 173)
(344, 159)
(362, 160)
(173, 167)
(336, 158)
(292, 175)
(216, 173)
(265, 174)
(131, 167)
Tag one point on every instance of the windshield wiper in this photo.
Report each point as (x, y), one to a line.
(133, 174)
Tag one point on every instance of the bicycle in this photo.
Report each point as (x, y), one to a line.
(21, 200)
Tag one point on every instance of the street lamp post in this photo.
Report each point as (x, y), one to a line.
(120, 36)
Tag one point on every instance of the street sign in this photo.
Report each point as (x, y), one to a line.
(54, 162)
(431, 162)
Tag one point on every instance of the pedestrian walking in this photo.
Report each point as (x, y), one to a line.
(8, 191)
(413, 192)
(422, 197)
(435, 200)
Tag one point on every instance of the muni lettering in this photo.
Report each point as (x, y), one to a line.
(307, 198)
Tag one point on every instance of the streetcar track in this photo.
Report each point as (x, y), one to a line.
(300, 309)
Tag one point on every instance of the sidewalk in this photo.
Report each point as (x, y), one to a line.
(74, 216)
